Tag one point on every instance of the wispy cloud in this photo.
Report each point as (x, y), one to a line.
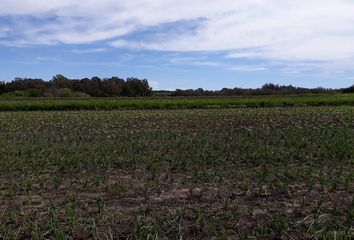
(244, 54)
(195, 61)
(205, 61)
(298, 30)
(4, 31)
(89, 50)
(47, 59)
(245, 68)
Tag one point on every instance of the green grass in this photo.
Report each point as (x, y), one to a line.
(259, 173)
(173, 103)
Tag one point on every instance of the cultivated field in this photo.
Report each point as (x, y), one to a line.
(35, 104)
(228, 173)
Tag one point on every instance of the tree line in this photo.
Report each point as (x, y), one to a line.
(266, 89)
(61, 86)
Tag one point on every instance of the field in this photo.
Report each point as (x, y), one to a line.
(35, 104)
(227, 173)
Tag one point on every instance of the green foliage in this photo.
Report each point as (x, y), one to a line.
(2, 87)
(266, 89)
(33, 92)
(30, 93)
(95, 87)
(173, 103)
(68, 93)
(349, 90)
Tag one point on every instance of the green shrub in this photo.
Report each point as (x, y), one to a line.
(68, 93)
(349, 90)
(33, 92)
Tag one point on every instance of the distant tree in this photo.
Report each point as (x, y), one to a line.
(112, 86)
(96, 87)
(22, 84)
(77, 85)
(60, 85)
(349, 90)
(2, 87)
(266, 89)
(270, 87)
(178, 92)
(34, 92)
(135, 87)
(60, 81)
(227, 92)
(69, 93)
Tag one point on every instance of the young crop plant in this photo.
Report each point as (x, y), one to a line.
(183, 173)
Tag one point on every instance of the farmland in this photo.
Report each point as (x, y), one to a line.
(35, 104)
(146, 173)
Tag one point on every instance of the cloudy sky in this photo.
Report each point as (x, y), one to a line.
(181, 43)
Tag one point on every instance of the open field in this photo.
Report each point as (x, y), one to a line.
(174, 103)
(197, 173)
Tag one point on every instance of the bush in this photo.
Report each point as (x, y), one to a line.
(67, 92)
(349, 90)
(34, 93)
(2, 87)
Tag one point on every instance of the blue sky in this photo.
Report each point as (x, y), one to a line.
(179, 43)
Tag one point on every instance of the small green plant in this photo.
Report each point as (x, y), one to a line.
(225, 172)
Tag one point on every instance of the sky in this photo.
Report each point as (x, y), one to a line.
(181, 43)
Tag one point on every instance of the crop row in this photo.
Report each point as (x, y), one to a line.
(170, 103)
(184, 173)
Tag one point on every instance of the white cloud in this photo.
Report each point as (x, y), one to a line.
(245, 68)
(195, 61)
(90, 50)
(47, 59)
(4, 31)
(297, 30)
(244, 54)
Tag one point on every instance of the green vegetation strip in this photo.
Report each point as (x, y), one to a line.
(170, 103)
